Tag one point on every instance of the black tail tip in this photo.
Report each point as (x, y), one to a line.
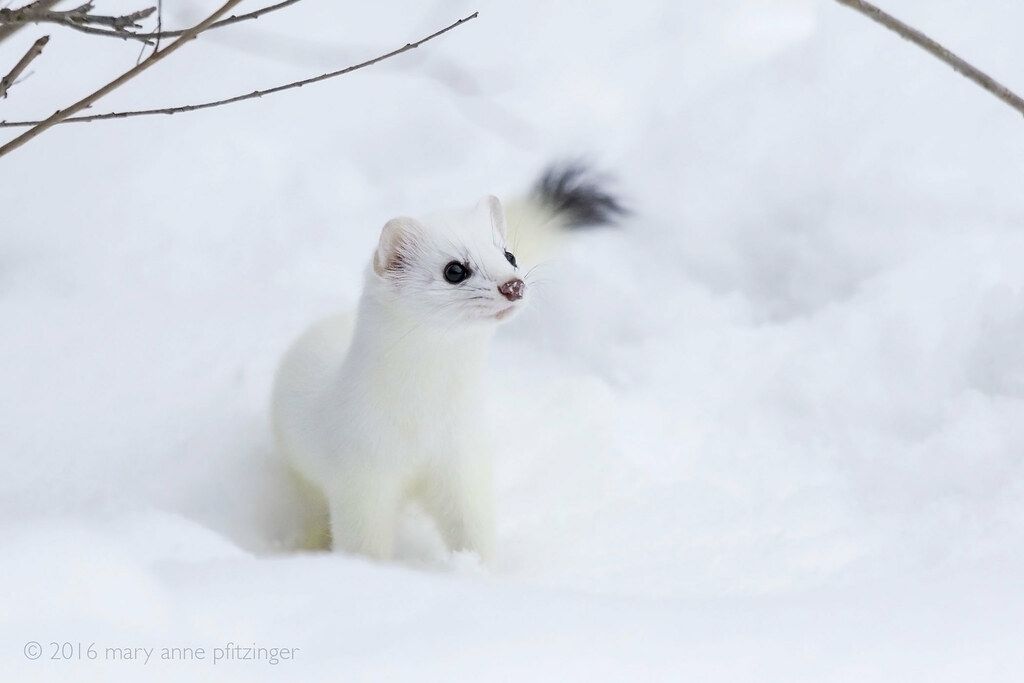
(579, 195)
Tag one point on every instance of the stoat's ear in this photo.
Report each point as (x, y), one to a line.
(489, 209)
(397, 240)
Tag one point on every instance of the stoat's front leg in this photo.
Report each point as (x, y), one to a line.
(459, 494)
(364, 513)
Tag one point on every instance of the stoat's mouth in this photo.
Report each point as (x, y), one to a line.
(504, 313)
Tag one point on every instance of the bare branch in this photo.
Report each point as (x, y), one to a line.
(233, 19)
(83, 15)
(37, 49)
(252, 95)
(81, 20)
(6, 30)
(935, 49)
(88, 100)
(79, 16)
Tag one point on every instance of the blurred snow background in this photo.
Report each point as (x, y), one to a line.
(771, 429)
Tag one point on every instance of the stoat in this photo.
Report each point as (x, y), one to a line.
(375, 410)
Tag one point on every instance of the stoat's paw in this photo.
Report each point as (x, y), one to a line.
(466, 562)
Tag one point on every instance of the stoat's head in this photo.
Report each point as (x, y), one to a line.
(450, 269)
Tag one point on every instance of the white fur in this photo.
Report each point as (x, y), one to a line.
(374, 411)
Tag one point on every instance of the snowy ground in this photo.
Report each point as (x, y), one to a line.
(772, 429)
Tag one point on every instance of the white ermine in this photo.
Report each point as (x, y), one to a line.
(375, 410)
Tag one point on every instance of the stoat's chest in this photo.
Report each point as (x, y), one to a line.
(425, 401)
(426, 407)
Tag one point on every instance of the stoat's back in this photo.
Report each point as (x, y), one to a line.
(308, 365)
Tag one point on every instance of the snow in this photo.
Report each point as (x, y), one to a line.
(771, 429)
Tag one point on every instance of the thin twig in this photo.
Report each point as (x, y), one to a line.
(159, 23)
(935, 49)
(28, 14)
(252, 95)
(37, 49)
(93, 31)
(88, 100)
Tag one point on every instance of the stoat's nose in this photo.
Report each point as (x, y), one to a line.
(513, 289)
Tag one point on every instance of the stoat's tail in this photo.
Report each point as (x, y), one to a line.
(566, 197)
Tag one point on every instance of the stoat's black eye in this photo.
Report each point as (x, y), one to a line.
(455, 272)
(511, 259)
